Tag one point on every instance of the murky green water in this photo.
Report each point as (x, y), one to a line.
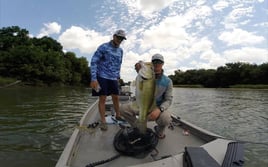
(36, 123)
(233, 113)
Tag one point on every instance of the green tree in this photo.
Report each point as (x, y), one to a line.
(12, 37)
(38, 60)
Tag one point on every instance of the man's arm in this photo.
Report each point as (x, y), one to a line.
(94, 64)
(168, 97)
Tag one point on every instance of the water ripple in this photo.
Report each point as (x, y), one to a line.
(233, 113)
(36, 123)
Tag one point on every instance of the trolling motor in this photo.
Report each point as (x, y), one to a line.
(131, 142)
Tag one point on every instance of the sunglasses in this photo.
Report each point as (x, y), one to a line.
(157, 62)
(120, 38)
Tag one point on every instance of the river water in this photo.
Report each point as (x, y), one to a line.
(36, 123)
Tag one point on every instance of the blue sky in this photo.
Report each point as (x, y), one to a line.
(190, 34)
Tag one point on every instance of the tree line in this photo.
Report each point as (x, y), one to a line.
(39, 60)
(225, 76)
(42, 61)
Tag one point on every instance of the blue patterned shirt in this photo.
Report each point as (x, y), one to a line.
(106, 62)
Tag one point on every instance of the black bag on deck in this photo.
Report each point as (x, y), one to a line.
(198, 157)
(129, 141)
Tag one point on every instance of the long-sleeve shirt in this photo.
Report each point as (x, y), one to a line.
(106, 62)
(164, 95)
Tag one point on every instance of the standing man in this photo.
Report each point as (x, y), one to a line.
(163, 96)
(105, 73)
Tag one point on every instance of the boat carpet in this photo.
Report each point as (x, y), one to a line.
(234, 155)
(198, 157)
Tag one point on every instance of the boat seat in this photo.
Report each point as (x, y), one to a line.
(234, 155)
(198, 157)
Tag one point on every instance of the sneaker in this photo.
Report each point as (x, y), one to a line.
(159, 135)
(120, 119)
(103, 126)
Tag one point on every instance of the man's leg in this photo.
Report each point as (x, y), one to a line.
(163, 121)
(115, 99)
(102, 100)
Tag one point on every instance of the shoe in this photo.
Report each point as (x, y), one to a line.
(103, 127)
(120, 119)
(160, 136)
(93, 125)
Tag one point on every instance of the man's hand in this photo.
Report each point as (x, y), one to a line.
(154, 114)
(94, 84)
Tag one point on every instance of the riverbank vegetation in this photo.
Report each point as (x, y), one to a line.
(41, 61)
(6, 81)
(240, 74)
(38, 61)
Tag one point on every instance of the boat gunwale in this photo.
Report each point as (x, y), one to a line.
(69, 149)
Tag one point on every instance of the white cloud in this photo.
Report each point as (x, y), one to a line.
(220, 5)
(168, 34)
(161, 37)
(146, 8)
(240, 37)
(50, 28)
(201, 45)
(240, 12)
(198, 12)
(232, 19)
(213, 59)
(181, 33)
(86, 41)
(153, 5)
(190, 34)
(263, 24)
(247, 54)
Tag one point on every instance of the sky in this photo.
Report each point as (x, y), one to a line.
(190, 34)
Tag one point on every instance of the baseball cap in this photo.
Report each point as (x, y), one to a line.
(120, 33)
(158, 56)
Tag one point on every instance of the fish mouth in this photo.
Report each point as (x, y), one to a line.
(144, 78)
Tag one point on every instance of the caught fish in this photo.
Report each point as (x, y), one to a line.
(145, 90)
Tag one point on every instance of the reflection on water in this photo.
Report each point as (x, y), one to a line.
(36, 123)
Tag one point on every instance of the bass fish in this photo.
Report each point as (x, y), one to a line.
(145, 94)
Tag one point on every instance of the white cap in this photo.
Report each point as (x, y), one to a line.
(158, 56)
(120, 33)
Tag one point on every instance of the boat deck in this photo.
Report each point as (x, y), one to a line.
(90, 145)
(91, 149)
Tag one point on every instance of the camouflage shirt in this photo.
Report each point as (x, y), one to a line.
(106, 62)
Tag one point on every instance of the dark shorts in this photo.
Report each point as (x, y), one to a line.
(108, 87)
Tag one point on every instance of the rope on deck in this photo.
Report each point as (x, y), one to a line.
(93, 164)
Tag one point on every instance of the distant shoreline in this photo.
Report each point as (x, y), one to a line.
(239, 86)
(11, 84)
(8, 82)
